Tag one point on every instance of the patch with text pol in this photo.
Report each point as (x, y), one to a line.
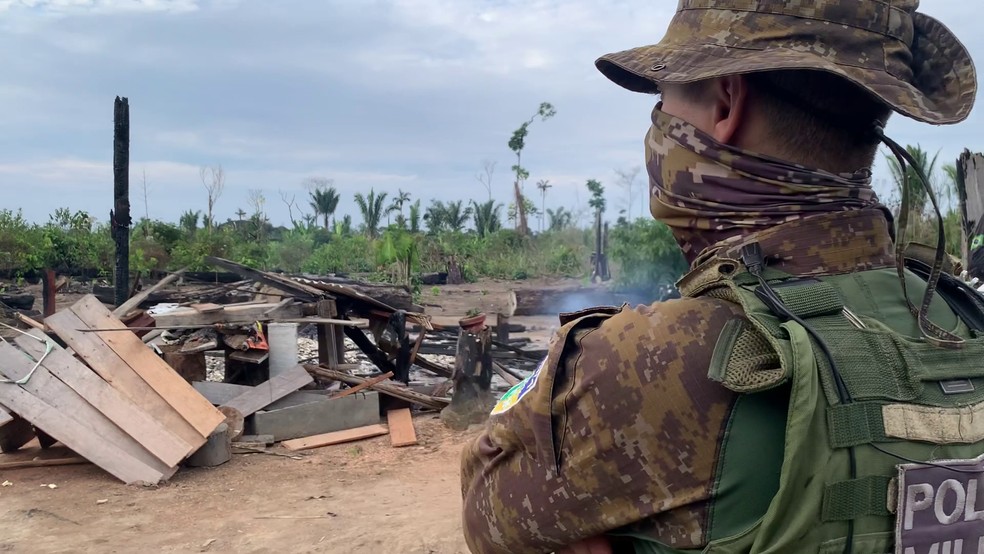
(941, 508)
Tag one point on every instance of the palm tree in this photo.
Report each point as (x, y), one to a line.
(398, 201)
(324, 201)
(189, 221)
(486, 217)
(415, 217)
(241, 213)
(917, 193)
(372, 210)
(435, 217)
(456, 216)
(559, 219)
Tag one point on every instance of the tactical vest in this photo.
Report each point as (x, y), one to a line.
(876, 400)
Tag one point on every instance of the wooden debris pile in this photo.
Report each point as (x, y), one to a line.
(107, 386)
(103, 394)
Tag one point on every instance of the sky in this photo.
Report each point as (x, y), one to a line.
(412, 95)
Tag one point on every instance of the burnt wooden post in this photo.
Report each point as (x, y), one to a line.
(49, 287)
(331, 340)
(120, 216)
(502, 328)
(472, 379)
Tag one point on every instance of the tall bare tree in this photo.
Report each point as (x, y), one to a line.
(488, 167)
(516, 143)
(213, 179)
(290, 200)
(543, 185)
(626, 180)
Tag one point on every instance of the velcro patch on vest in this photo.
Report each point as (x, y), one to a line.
(963, 425)
(941, 507)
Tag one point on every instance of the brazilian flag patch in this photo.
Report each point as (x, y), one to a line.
(517, 392)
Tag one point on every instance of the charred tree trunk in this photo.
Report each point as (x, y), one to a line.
(120, 216)
(472, 379)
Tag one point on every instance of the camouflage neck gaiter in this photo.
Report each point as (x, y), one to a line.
(707, 192)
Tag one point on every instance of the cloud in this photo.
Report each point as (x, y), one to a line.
(398, 94)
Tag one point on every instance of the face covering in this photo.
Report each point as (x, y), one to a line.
(707, 192)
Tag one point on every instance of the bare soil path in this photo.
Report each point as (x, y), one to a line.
(364, 497)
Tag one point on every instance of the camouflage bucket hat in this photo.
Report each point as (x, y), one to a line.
(909, 60)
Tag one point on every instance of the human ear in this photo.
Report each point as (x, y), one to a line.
(729, 97)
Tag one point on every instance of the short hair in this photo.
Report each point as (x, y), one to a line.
(818, 119)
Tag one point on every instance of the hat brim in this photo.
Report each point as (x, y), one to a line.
(939, 86)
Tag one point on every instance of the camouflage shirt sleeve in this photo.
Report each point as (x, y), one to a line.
(620, 424)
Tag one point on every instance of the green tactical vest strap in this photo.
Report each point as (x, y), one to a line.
(809, 298)
(855, 424)
(865, 496)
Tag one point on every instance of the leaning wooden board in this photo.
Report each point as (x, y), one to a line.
(401, 428)
(157, 439)
(163, 380)
(108, 365)
(5, 417)
(268, 392)
(336, 437)
(55, 408)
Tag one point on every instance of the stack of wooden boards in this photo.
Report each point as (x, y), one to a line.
(109, 398)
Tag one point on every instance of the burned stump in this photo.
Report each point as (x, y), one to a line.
(472, 379)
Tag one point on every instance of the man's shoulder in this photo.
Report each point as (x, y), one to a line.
(684, 318)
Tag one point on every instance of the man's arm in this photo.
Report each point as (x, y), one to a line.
(618, 425)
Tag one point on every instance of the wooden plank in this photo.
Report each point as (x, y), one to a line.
(207, 307)
(363, 385)
(283, 303)
(61, 413)
(384, 387)
(231, 313)
(5, 417)
(357, 323)
(155, 372)
(338, 437)
(270, 391)
(54, 392)
(108, 365)
(157, 439)
(135, 301)
(220, 393)
(401, 428)
(29, 321)
(43, 463)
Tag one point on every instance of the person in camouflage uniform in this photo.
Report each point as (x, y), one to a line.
(769, 120)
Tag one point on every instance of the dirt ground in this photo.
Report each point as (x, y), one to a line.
(361, 497)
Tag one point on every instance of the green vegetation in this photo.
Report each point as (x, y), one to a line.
(394, 238)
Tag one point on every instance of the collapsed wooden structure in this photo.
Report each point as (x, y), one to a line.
(104, 385)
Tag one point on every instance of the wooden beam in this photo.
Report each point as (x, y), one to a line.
(366, 384)
(302, 291)
(120, 215)
(231, 313)
(508, 377)
(135, 301)
(43, 463)
(385, 388)
(336, 437)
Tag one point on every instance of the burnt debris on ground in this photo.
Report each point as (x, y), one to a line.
(188, 372)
